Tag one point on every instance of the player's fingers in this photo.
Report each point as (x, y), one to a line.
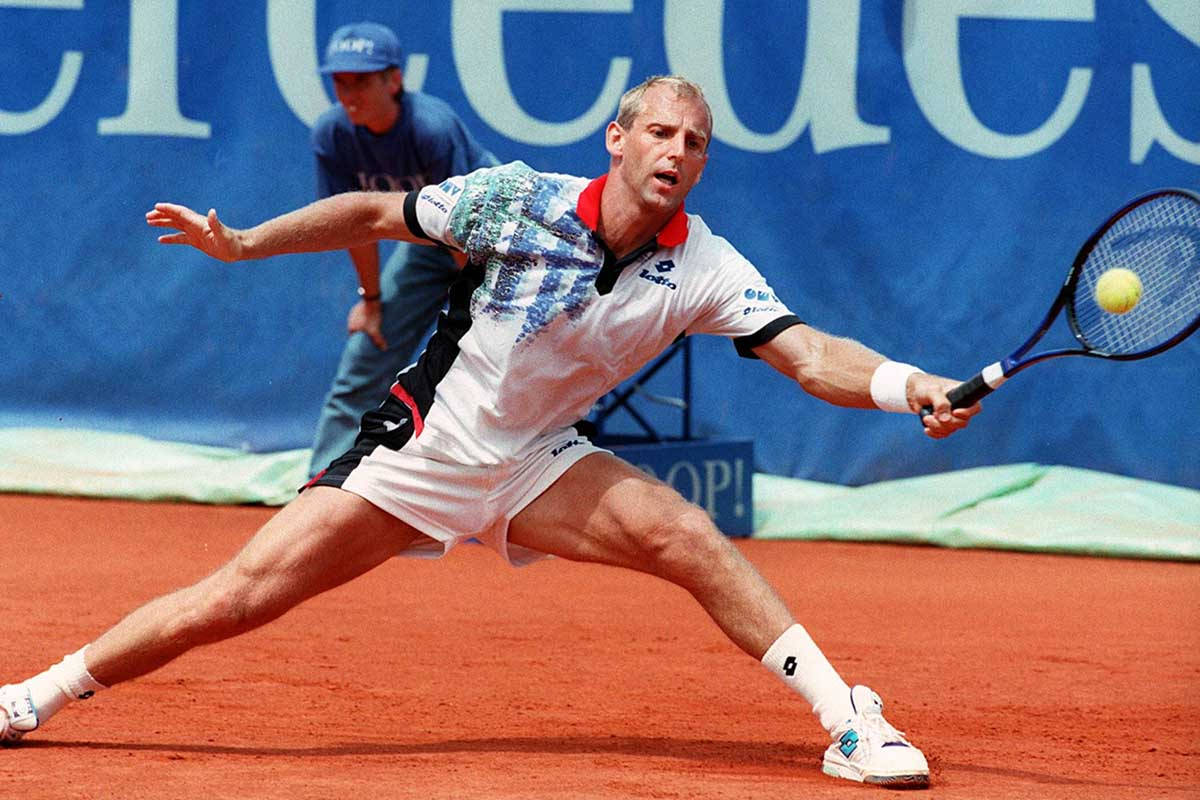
(164, 222)
(174, 238)
(942, 413)
(173, 211)
(165, 215)
(159, 216)
(968, 412)
(938, 430)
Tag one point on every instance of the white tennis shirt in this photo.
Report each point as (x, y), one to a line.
(544, 320)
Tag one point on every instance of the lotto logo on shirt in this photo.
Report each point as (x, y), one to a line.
(659, 279)
(450, 187)
(435, 202)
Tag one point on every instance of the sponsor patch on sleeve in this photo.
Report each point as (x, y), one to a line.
(761, 299)
(434, 204)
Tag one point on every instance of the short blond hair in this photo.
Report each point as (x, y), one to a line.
(632, 102)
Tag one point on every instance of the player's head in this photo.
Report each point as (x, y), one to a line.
(633, 101)
(659, 141)
(363, 59)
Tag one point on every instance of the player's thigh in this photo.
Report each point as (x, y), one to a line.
(608, 511)
(322, 539)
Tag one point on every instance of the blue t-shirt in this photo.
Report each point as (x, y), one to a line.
(428, 144)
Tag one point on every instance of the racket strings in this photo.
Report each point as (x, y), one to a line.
(1159, 241)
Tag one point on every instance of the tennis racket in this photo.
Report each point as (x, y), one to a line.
(1157, 237)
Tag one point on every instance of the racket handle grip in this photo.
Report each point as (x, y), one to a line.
(965, 394)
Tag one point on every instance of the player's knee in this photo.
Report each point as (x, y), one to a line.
(682, 543)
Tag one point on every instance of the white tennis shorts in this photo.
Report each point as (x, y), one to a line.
(450, 502)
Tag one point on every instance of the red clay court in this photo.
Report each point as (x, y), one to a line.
(1020, 675)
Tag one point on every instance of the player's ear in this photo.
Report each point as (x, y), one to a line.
(614, 139)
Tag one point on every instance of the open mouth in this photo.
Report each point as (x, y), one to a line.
(669, 178)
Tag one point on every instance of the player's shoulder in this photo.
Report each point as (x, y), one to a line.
(705, 246)
(520, 176)
(510, 191)
(712, 261)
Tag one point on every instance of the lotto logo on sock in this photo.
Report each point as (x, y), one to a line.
(789, 666)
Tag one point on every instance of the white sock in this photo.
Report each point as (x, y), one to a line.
(799, 663)
(64, 682)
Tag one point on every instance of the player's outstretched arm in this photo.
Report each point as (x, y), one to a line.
(333, 223)
(839, 371)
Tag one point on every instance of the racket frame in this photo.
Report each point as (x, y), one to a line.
(993, 375)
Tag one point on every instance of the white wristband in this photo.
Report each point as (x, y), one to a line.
(889, 386)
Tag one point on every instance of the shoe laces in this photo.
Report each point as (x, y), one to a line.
(878, 728)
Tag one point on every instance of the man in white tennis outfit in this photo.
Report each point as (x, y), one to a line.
(569, 287)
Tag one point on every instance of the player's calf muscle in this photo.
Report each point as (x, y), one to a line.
(221, 609)
(217, 608)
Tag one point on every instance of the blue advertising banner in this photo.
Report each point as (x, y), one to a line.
(917, 175)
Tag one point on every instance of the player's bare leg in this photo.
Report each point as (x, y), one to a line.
(323, 539)
(606, 511)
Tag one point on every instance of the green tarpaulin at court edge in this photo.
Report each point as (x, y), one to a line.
(96, 464)
(1013, 507)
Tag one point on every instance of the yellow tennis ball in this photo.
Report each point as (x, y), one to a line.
(1118, 290)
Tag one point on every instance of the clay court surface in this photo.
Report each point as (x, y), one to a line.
(1021, 676)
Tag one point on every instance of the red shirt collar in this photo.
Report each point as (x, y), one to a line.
(673, 234)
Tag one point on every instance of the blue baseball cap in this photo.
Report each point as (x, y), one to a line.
(361, 47)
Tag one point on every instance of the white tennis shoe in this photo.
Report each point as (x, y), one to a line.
(867, 749)
(17, 714)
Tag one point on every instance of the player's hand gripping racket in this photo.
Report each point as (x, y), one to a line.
(1143, 265)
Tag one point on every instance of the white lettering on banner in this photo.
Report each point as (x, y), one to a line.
(152, 108)
(292, 47)
(694, 39)
(713, 484)
(693, 474)
(477, 41)
(931, 61)
(15, 123)
(1149, 125)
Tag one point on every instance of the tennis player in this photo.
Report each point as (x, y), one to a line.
(570, 286)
